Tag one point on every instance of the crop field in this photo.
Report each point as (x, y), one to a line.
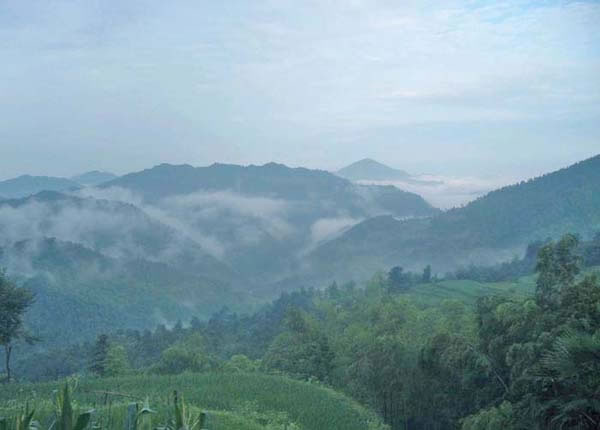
(231, 401)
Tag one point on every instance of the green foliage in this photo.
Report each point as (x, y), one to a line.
(116, 362)
(302, 350)
(398, 280)
(557, 267)
(65, 419)
(22, 421)
(239, 363)
(494, 418)
(189, 355)
(225, 398)
(99, 354)
(445, 354)
(14, 302)
(544, 353)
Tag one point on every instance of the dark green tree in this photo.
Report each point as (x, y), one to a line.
(14, 302)
(99, 354)
(399, 280)
(426, 278)
(302, 350)
(557, 266)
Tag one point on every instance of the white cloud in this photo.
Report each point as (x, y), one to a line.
(327, 228)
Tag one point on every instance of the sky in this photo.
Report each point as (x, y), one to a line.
(503, 89)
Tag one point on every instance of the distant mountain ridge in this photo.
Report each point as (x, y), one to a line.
(270, 180)
(265, 215)
(27, 185)
(94, 177)
(371, 170)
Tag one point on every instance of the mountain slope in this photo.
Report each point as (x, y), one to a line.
(27, 185)
(493, 227)
(116, 229)
(371, 170)
(94, 293)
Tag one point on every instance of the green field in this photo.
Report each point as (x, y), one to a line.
(469, 291)
(233, 401)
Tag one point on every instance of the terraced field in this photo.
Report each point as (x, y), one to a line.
(232, 401)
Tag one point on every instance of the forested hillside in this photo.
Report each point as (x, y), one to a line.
(105, 265)
(420, 351)
(492, 228)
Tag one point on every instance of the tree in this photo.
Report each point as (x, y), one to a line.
(557, 267)
(187, 355)
(116, 362)
(302, 350)
(99, 355)
(14, 302)
(399, 280)
(426, 278)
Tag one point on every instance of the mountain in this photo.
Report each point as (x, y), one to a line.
(103, 265)
(261, 219)
(115, 229)
(175, 241)
(273, 181)
(371, 170)
(93, 178)
(27, 185)
(494, 227)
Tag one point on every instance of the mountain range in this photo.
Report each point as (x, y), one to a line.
(175, 241)
(491, 228)
(27, 185)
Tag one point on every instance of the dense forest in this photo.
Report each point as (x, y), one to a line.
(517, 358)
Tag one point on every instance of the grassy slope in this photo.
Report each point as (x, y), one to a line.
(469, 291)
(311, 406)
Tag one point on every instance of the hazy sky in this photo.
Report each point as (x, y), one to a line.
(470, 88)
